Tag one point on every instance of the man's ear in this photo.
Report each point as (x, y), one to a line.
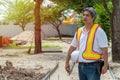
(94, 19)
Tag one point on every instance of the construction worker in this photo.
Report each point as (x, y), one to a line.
(89, 48)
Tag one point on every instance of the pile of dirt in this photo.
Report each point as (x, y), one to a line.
(24, 36)
(9, 72)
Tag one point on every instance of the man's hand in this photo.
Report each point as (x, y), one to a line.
(67, 65)
(105, 57)
(104, 69)
(67, 68)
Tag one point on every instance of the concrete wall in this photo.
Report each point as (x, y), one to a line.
(47, 30)
(9, 30)
(68, 29)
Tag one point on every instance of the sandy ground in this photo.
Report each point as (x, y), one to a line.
(40, 63)
(46, 61)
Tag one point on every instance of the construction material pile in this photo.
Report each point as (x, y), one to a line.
(24, 36)
(9, 72)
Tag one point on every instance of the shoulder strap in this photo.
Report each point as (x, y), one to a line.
(78, 34)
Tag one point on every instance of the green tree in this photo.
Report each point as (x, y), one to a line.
(53, 15)
(2, 5)
(112, 8)
(76, 5)
(19, 11)
(115, 29)
(103, 18)
(3, 2)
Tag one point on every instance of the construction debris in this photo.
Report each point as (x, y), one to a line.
(9, 72)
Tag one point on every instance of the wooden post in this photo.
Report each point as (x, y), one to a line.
(1, 42)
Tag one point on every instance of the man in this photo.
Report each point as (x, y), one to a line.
(91, 42)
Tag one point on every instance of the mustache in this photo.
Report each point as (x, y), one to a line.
(84, 19)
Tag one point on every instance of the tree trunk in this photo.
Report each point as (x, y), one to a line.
(116, 31)
(59, 34)
(22, 26)
(38, 48)
(56, 26)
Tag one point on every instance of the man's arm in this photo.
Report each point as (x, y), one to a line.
(105, 57)
(67, 65)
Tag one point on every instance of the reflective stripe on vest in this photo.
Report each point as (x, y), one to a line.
(78, 34)
(89, 53)
(79, 31)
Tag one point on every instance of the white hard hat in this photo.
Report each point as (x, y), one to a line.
(74, 56)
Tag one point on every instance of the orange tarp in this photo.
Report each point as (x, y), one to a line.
(5, 41)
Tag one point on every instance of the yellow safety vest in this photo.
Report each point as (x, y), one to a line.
(89, 53)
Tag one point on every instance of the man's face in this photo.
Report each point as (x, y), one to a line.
(87, 18)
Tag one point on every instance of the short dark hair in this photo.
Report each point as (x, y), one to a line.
(91, 11)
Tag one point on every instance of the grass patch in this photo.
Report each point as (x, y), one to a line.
(52, 39)
(51, 47)
(13, 46)
(9, 55)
